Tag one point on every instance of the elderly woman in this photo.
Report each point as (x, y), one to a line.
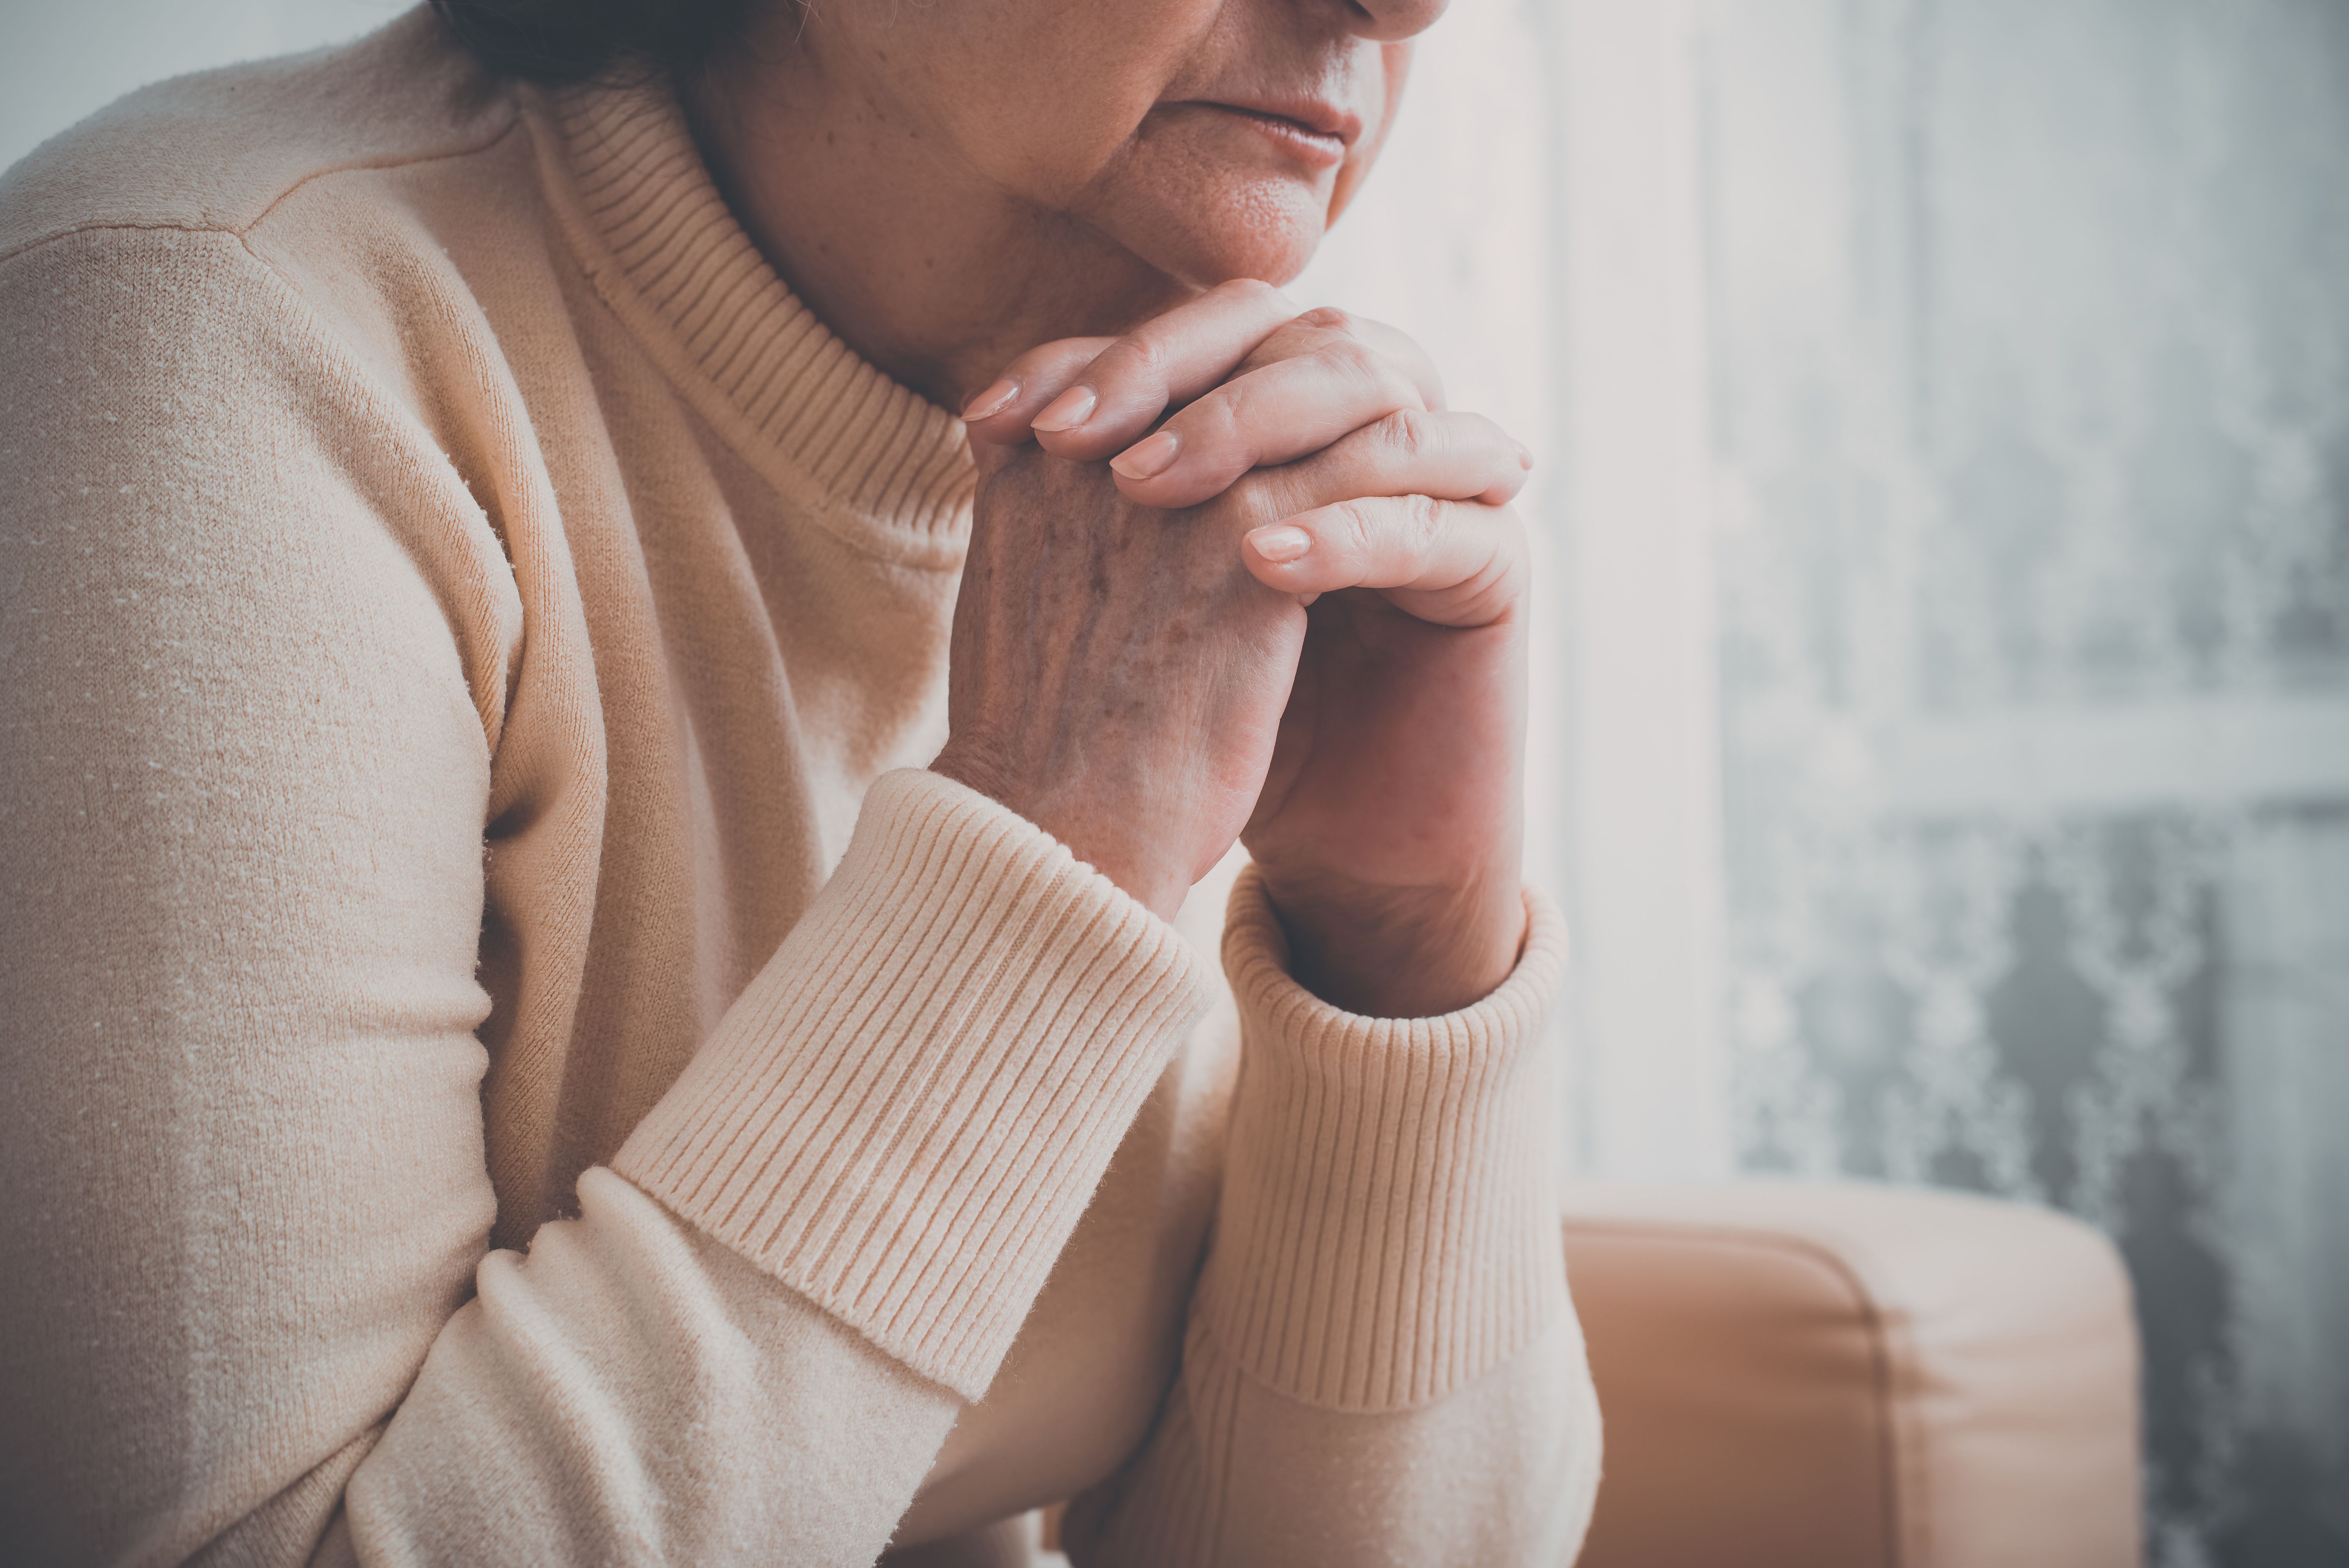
(588, 975)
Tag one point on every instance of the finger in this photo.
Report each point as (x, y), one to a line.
(1000, 413)
(1456, 563)
(1167, 361)
(1312, 381)
(1447, 456)
(1276, 414)
(1353, 414)
(1307, 332)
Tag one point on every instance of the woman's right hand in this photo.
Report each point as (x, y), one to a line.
(1119, 675)
(1116, 676)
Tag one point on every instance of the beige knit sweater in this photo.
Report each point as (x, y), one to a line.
(506, 1063)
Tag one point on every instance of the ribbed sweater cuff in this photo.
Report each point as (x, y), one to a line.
(903, 1116)
(1388, 1229)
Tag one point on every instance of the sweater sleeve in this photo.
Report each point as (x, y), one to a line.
(250, 1313)
(1382, 1364)
(862, 1182)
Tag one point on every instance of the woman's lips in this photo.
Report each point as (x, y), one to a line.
(1322, 149)
(1311, 130)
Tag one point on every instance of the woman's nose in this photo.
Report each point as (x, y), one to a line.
(1392, 21)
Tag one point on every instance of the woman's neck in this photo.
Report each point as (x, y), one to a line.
(909, 255)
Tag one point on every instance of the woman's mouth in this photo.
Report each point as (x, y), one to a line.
(1318, 147)
(1315, 133)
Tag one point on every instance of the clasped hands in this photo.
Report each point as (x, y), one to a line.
(1240, 574)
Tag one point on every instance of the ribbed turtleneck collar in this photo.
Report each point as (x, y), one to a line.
(668, 256)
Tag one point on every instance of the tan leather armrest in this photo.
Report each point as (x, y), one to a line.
(1846, 1376)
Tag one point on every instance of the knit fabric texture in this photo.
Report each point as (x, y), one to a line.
(511, 1057)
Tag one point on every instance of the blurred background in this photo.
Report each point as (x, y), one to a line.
(1942, 724)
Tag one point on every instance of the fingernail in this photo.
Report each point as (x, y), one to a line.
(1146, 460)
(1066, 412)
(1525, 455)
(1281, 545)
(992, 401)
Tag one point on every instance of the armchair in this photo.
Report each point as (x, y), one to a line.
(1835, 1375)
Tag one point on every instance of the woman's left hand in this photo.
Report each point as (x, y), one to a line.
(1389, 828)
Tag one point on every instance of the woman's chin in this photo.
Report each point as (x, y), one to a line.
(1266, 234)
(1203, 231)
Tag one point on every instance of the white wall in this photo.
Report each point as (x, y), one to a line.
(1534, 226)
(62, 60)
(1640, 785)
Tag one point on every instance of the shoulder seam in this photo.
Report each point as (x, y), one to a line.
(241, 231)
(513, 122)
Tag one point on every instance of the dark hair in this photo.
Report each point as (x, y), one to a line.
(561, 41)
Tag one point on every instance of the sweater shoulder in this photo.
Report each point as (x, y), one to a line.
(216, 150)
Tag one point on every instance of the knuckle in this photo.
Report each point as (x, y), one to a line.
(1406, 434)
(1147, 355)
(1354, 359)
(1355, 527)
(1422, 520)
(1328, 319)
(1288, 341)
(1223, 419)
(1223, 428)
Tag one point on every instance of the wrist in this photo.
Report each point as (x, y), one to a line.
(1093, 837)
(1400, 952)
